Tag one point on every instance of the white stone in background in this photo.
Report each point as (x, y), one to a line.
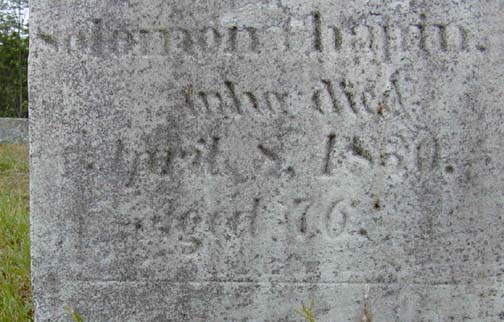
(13, 130)
(229, 160)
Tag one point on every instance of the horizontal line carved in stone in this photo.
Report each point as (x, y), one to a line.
(252, 282)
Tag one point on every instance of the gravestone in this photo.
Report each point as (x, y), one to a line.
(230, 160)
(13, 131)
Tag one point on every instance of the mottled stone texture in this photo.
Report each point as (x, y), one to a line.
(13, 130)
(202, 160)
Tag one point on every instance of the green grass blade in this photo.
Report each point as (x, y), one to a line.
(76, 317)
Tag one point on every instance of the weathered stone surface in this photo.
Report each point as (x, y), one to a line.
(13, 130)
(197, 160)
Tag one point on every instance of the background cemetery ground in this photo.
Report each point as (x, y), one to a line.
(15, 289)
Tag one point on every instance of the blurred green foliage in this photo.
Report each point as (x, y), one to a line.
(14, 45)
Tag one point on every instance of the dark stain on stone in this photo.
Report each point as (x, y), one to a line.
(381, 109)
(481, 48)
(377, 204)
(48, 39)
(291, 172)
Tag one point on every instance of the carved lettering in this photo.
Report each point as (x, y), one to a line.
(236, 223)
(157, 159)
(230, 100)
(305, 222)
(387, 40)
(335, 220)
(328, 156)
(299, 216)
(340, 96)
(317, 32)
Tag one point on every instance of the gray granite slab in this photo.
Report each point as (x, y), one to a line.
(228, 160)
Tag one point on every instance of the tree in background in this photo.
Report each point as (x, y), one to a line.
(13, 58)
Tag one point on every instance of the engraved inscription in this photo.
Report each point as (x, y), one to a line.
(229, 100)
(329, 151)
(339, 96)
(336, 96)
(186, 226)
(209, 158)
(335, 220)
(383, 39)
(241, 226)
(299, 215)
(317, 32)
(158, 159)
(238, 223)
(308, 218)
